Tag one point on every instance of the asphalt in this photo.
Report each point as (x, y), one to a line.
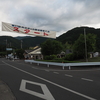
(5, 92)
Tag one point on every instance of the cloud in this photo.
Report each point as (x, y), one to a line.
(53, 15)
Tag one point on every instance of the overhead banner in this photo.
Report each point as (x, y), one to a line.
(27, 30)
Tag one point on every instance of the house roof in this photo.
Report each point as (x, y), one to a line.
(28, 51)
(36, 51)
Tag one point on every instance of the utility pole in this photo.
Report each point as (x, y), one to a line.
(85, 45)
(6, 48)
(10, 44)
(6, 43)
(21, 44)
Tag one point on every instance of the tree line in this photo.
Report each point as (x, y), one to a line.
(54, 47)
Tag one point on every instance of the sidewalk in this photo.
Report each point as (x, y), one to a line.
(5, 92)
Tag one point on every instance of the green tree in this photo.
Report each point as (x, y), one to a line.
(91, 42)
(67, 46)
(19, 53)
(50, 47)
(79, 45)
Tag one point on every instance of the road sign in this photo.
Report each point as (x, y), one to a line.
(9, 49)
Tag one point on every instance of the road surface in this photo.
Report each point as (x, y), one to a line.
(30, 82)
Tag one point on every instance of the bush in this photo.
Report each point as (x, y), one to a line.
(3, 53)
(70, 57)
(51, 57)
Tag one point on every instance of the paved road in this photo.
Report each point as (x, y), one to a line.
(29, 82)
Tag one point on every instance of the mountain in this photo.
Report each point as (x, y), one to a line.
(22, 37)
(33, 41)
(9, 41)
(15, 42)
(72, 35)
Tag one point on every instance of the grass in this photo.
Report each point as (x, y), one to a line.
(60, 61)
(95, 59)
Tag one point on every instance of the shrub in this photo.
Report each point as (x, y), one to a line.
(70, 57)
(51, 57)
(3, 53)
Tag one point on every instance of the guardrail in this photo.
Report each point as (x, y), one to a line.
(63, 65)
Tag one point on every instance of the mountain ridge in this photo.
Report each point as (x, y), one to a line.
(70, 36)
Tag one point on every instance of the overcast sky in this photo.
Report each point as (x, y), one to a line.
(52, 15)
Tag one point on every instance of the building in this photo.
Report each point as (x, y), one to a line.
(33, 54)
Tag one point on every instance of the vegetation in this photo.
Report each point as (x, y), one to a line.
(19, 53)
(72, 35)
(51, 47)
(72, 39)
(79, 45)
(15, 42)
(67, 38)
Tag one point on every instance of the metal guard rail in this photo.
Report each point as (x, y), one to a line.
(63, 64)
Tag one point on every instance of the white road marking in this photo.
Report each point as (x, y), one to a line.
(70, 90)
(87, 79)
(34, 68)
(68, 75)
(47, 70)
(55, 72)
(47, 95)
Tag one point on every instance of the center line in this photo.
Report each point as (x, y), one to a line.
(68, 75)
(87, 79)
(34, 67)
(56, 72)
(47, 70)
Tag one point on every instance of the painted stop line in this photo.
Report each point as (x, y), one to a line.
(47, 95)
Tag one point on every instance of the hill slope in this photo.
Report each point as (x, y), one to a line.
(33, 41)
(72, 35)
(16, 41)
(10, 41)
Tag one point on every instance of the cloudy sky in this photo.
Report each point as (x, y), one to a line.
(52, 15)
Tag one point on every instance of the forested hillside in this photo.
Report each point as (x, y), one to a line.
(8, 41)
(15, 42)
(72, 35)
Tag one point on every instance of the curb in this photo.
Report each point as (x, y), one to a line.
(5, 92)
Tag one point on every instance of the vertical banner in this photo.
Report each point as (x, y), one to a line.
(26, 30)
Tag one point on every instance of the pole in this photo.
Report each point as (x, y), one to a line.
(21, 44)
(6, 49)
(85, 45)
(6, 43)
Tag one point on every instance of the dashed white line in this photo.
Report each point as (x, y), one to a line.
(47, 70)
(87, 79)
(68, 75)
(34, 67)
(55, 72)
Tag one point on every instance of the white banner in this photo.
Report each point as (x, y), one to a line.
(26, 30)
